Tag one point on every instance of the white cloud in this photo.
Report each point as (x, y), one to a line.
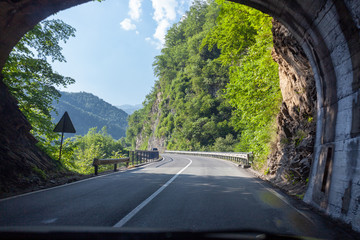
(164, 14)
(161, 30)
(184, 5)
(127, 24)
(134, 13)
(156, 44)
(135, 9)
(164, 9)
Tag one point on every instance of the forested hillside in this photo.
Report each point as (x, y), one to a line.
(217, 88)
(99, 127)
(87, 111)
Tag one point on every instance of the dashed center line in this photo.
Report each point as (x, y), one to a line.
(130, 215)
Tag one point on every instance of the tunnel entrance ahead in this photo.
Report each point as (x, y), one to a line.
(328, 32)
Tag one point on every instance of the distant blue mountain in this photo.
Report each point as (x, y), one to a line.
(87, 111)
(129, 109)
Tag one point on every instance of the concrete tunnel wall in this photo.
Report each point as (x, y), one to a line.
(329, 33)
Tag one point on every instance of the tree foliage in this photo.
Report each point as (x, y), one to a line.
(79, 152)
(245, 39)
(189, 90)
(31, 79)
(218, 87)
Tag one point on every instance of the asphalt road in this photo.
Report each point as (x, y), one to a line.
(178, 193)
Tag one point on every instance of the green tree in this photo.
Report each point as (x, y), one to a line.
(80, 151)
(245, 39)
(224, 144)
(31, 79)
(218, 87)
(189, 91)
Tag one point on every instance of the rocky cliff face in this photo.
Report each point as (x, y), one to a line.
(22, 164)
(290, 160)
(292, 153)
(152, 141)
(156, 142)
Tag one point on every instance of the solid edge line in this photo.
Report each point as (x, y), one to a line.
(282, 198)
(130, 215)
(83, 180)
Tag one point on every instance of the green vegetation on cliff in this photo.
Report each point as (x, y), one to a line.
(189, 92)
(244, 36)
(217, 86)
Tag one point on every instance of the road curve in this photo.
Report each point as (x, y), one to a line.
(179, 193)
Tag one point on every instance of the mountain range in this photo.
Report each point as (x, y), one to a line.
(129, 109)
(87, 111)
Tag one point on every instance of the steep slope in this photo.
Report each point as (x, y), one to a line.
(187, 111)
(186, 108)
(87, 111)
(292, 153)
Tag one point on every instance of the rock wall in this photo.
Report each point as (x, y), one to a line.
(291, 157)
(152, 141)
(21, 162)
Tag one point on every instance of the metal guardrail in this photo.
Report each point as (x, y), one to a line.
(244, 159)
(140, 157)
(108, 161)
(136, 157)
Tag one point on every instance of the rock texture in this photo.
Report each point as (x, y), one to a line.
(22, 164)
(152, 141)
(290, 161)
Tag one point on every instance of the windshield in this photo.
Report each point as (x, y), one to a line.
(163, 116)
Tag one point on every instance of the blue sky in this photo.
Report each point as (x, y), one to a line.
(115, 45)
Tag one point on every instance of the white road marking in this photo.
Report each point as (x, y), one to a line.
(48, 221)
(282, 198)
(130, 215)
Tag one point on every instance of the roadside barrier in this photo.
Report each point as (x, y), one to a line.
(108, 161)
(134, 158)
(244, 159)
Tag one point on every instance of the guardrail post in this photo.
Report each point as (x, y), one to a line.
(95, 164)
(115, 167)
(133, 157)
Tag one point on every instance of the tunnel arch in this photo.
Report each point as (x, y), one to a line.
(327, 30)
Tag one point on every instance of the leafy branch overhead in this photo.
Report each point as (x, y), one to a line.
(31, 79)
